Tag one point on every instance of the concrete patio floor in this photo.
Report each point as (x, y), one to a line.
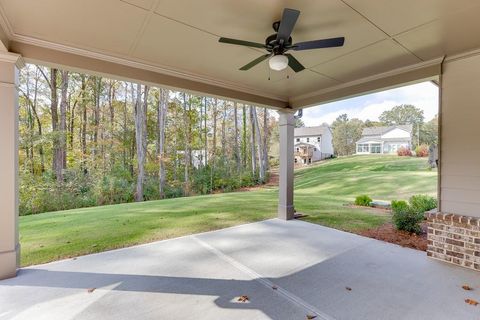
(287, 269)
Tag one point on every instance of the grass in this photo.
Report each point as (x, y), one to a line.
(320, 191)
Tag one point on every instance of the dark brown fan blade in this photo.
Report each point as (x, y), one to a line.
(317, 44)
(294, 63)
(254, 62)
(241, 42)
(289, 18)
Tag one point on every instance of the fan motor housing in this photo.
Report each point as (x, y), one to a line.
(273, 46)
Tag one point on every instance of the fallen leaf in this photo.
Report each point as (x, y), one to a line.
(471, 302)
(74, 258)
(274, 287)
(467, 287)
(348, 288)
(91, 290)
(243, 298)
(310, 316)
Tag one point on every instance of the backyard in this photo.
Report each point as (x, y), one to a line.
(322, 192)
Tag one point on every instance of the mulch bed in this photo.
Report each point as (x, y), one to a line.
(388, 233)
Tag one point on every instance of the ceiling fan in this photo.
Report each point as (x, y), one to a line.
(281, 42)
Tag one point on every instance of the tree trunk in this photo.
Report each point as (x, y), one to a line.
(140, 138)
(265, 139)
(224, 136)
(84, 125)
(96, 116)
(244, 136)
(56, 159)
(236, 146)
(206, 130)
(214, 142)
(161, 122)
(111, 98)
(62, 151)
(186, 120)
(261, 171)
(252, 143)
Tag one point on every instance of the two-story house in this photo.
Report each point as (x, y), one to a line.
(312, 144)
(378, 140)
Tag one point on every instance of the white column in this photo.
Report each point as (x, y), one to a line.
(9, 245)
(285, 193)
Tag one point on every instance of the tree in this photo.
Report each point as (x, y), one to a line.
(140, 138)
(299, 123)
(402, 115)
(345, 134)
(235, 143)
(429, 132)
(161, 122)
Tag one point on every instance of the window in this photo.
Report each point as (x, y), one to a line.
(298, 139)
(375, 148)
(308, 139)
(304, 161)
(314, 149)
(362, 147)
(309, 160)
(318, 139)
(298, 149)
(296, 160)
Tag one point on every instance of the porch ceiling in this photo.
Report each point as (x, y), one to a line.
(179, 38)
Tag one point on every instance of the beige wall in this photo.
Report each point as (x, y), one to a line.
(460, 137)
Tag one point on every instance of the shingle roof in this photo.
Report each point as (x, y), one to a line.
(378, 131)
(311, 131)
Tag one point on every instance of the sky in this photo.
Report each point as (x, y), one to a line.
(422, 95)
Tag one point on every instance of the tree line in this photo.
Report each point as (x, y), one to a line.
(88, 140)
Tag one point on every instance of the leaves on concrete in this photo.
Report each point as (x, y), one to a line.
(348, 288)
(90, 290)
(274, 287)
(471, 302)
(311, 316)
(467, 287)
(243, 298)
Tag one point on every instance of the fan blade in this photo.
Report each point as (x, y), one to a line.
(254, 62)
(317, 44)
(289, 18)
(241, 42)
(294, 63)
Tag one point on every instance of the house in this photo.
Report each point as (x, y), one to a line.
(384, 139)
(313, 144)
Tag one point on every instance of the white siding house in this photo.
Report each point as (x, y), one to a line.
(380, 140)
(312, 144)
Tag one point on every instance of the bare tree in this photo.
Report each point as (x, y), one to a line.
(265, 139)
(62, 150)
(187, 157)
(252, 142)
(258, 138)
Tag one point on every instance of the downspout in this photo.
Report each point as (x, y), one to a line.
(439, 144)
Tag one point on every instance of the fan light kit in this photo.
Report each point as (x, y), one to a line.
(279, 43)
(278, 62)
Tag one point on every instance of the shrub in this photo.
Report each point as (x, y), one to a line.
(422, 203)
(404, 152)
(421, 150)
(363, 200)
(405, 217)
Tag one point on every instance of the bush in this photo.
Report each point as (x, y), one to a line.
(363, 200)
(421, 150)
(405, 217)
(404, 152)
(422, 203)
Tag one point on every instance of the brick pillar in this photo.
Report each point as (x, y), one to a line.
(454, 239)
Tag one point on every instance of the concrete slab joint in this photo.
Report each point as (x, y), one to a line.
(285, 195)
(9, 245)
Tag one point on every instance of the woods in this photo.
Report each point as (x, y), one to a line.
(110, 141)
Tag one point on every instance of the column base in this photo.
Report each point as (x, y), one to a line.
(9, 262)
(286, 212)
(454, 238)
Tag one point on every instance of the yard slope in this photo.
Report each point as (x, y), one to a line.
(321, 191)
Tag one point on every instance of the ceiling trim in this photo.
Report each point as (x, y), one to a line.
(423, 71)
(128, 72)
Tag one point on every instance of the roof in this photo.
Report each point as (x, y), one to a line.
(311, 131)
(378, 131)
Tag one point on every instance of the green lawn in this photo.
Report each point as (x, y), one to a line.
(320, 191)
